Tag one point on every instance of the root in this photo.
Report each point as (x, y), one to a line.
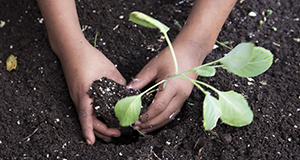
(31, 134)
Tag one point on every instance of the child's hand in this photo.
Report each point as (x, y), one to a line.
(194, 42)
(168, 102)
(82, 66)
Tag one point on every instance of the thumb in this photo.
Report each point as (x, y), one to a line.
(145, 76)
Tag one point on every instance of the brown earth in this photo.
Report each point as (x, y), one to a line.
(38, 119)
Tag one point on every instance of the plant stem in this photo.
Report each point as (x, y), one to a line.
(194, 69)
(207, 85)
(95, 40)
(224, 45)
(172, 51)
(152, 87)
(139, 131)
(155, 90)
(216, 66)
(194, 82)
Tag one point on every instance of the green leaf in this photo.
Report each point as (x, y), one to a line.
(128, 109)
(261, 61)
(206, 71)
(270, 11)
(235, 109)
(238, 57)
(261, 22)
(211, 112)
(147, 21)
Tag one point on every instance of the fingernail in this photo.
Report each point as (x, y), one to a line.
(116, 135)
(137, 127)
(88, 142)
(106, 140)
(135, 80)
(138, 123)
(128, 87)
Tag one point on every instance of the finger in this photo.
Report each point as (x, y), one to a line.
(164, 117)
(85, 115)
(160, 102)
(104, 133)
(115, 75)
(149, 127)
(118, 78)
(145, 76)
(102, 129)
(103, 137)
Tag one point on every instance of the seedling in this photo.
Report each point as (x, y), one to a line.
(269, 12)
(177, 24)
(245, 60)
(95, 40)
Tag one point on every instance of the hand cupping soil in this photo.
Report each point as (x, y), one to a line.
(106, 94)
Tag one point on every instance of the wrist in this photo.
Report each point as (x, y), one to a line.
(193, 49)
(198, 40)
(63, 46)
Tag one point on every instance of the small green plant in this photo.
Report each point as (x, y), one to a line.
(95, 40)
(269, 12)
(245, 60)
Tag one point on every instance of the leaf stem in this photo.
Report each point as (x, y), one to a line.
(152, 87)
(194, 82)
(139, 131)
(194, 69)
(207, 85)
(224, 45)
(216, 66)
(172, 51)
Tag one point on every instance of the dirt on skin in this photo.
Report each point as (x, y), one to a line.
(38, 119)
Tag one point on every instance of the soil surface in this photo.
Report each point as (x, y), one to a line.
(38, 119)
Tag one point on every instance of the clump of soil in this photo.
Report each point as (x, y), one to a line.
(106, 93)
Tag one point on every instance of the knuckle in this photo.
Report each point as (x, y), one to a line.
(184, 94)
(166, 117)
(82, 114)
(169, 117)
(151, 72)
(159, 106)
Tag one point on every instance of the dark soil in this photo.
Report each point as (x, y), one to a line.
(106, 93)
(38, 119)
